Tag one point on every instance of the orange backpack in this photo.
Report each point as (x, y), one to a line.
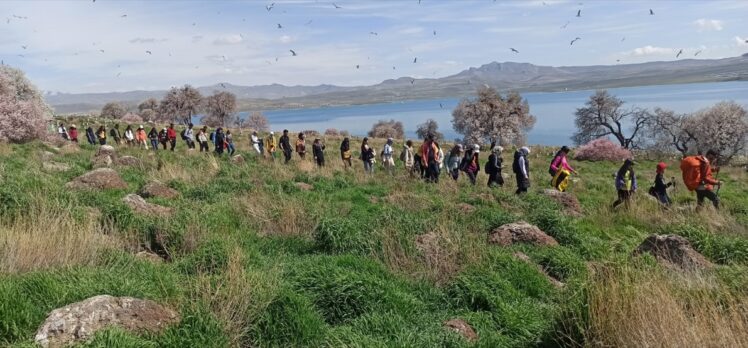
(691, 168)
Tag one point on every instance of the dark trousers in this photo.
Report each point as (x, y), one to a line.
(623, 197)
(163, 143)
(287, 155)
(203, 146)
(472, 176)
(432, 172)
(708, 194)
(455, 174)
(154, 144)
(173, 143)
(102, 141)
(522, 184)
(495, 179)
(190, 144)
(663, 198)
(320, 161)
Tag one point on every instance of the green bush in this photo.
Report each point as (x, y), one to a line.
(291, 320)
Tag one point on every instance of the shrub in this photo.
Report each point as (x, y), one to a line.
(23, 112)
(131, 118)
(387, 129)
(113, 110)
(345, 133)
(257, 121)
(601, 149)
(311, 133)
(332, 132)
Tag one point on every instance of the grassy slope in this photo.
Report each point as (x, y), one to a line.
(257, 261)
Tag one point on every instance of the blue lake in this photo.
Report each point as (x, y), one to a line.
(554, 111)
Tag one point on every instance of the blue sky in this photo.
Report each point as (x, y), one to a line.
(204, 43)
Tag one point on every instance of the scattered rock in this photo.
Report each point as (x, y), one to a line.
(128, 161)
(237, 159)
(139, 205)
(77, 322)
(524, 258)
(157, 189)
(47, 156)
(149, 256)
(673, 250)
(55, 167)
(101, 179)
(567, 200)
(520, 232)
(463, 328)
(465, 208)
(106, 150)
(303, 186)
(102, 161)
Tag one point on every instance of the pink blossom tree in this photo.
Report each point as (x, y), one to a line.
(23, 112)
(601, 149)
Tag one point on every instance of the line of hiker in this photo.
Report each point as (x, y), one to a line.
(425, 162)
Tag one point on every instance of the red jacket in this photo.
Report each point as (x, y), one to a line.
(73, 133)
(706, 174)
(425, 152)
(171, 133)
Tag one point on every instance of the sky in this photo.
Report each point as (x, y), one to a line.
(107, 45)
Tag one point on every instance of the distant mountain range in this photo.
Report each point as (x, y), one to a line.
(522, 77)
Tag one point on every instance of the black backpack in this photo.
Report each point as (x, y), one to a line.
(183, 134)
(515, 165)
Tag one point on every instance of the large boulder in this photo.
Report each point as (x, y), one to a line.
(128, 161)
(139, 205)
(102, 161)
(520, 232)
(673, 251)
(77, 322)
(567, 200)
(463, 328)
(157, 189)
(106, 150)
(99, 179)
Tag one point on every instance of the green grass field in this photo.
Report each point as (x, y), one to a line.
(256, 261)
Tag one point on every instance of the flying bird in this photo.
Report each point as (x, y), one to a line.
(280, 26)
(292, 52)
(223, 85)
(393, 68)
(356, 66)
(24, 47)
(679, 53)
(624, 39)
(434, 32)
(415, 60)
(575, 40)
(149, 52)
(123, 16)
(336, 5)
(579, 13)
(697, 53)
(513, 50)
(441, 106)
(565, 25)
(373, 33)
(309, 22)
(119, 73)
(412, 81)
(651, 13)
(102, 51)
(270, 7)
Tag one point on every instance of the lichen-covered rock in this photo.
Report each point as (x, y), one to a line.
(139, 205)
(567, 200)
(520, 232)
(106, 150)
(102, 161)
(128, 161)
(100, 179)
(77, 322)
(157, 189)
(673, 250)
(463, 328)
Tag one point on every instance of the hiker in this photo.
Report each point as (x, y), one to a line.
(270, 145)
(90, 136)
(115, 134)
(521, 169)
(625, 183)
(62, 132)
(367, 156)
(659, 190)
(560, 170)
(439, 160)
(202, 139)
(285, 145)
(219, 139)
(153, 136)
(429, 152)
(494, 166)
(229, 139)
(318, 150)
(171, 136)
(345, 152)
(101, 134)
(213, 138)
(129, 136)
(697, 175)
(188, 135)
(163, 137)
(301, 146)
(406, 156)
(470, 163)
(453, 161)
(256, 143)
(73, 134)
(140, 137)
(387, 157)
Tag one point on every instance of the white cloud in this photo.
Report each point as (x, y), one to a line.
(650, 51)
(741, 41)
(709, 24)
(232, 39)
(285, 39)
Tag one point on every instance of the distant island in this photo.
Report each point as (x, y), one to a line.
(523, 77)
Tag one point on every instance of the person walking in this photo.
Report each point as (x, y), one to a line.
(101, 134)
(494, 167)
(439, 160)
(153, 136)
(345, 153)
(270, 145)
(697, 176)
(140, 137)
(90, 136)
(255, 140)
(129, 136)
(453, 161)
(387, 157)
(171, 136)
(188, 135)
(406, 156)
(73, 133)
(429, 151)
(115, 134)
(202, 139)
(62, 132)
(285, 145)
(471, 163)
(659, 190)
(219, 140)
(367, 156)
(318, 150)
(625, 183)
(560, 170)
(229, 139)
(521, 169)
(301, 146)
